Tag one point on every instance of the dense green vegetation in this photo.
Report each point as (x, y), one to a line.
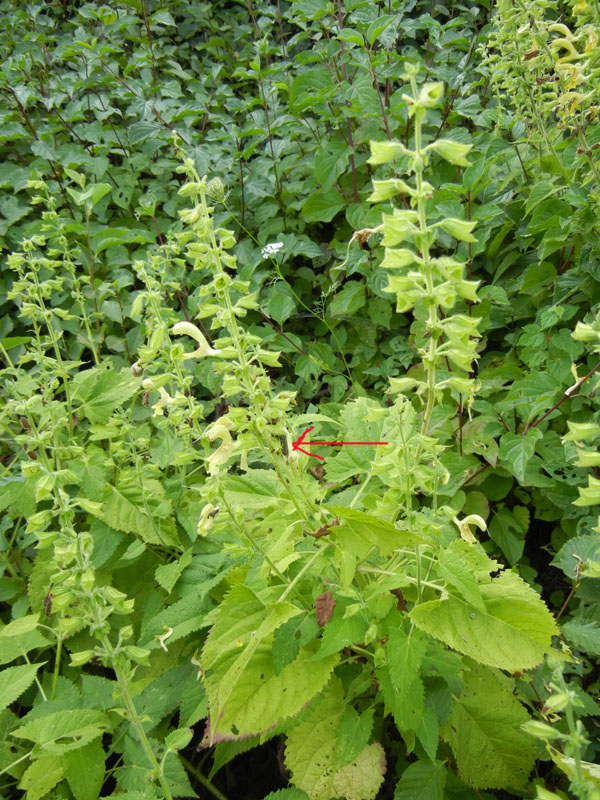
(223, 224)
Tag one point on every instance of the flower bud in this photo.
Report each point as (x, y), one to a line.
(451, 151)
(431, 94)
(382, 152)
(215, 189)
(459, 228)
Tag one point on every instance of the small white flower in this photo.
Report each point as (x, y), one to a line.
(271, 249)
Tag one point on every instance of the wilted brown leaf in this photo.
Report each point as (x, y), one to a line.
(324, 529)
(324, 606)
(401, 606)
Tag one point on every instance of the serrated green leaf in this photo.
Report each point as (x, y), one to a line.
(41, 776)
(457, 572)
(323, 206)
(64, 731)
(281, 307)
(377, 27)
(111, 237)
(574, 551)
(84, 770)
(341, 631)
(421, 781)
(99, 392)
(287, 794)
(167, 575)
(331, 161)
(514, 633)
(353, 734)
(405, 699)
(583, 635)
(245, 695)
(140, 131)
(360, 531)
(349, 300)
(256, 488)
(123, 515)
(308, 88)
(491, 751)
(311, 750)
(516, 450)
(15, 680)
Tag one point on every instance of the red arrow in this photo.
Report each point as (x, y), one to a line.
(298, 442)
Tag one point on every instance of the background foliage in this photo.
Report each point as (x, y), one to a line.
(122, 585)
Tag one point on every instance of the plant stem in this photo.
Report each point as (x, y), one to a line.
(202, 779)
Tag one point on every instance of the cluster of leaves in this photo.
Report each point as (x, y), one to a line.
(163, 596)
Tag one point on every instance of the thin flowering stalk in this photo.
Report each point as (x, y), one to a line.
(269, 447)
(177, 368)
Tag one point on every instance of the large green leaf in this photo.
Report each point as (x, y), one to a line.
(84, 770)
(245, 695)
(484, 733)
(63, 731)
(360, 531)
(256, 488)
(311, 748)
(517, 450)
(99, 391)
(351, 460)
(122, 514)
(514, 633)
(458, 573)
(41, 776)
(582, 635)
(310, 86)
(421, 781)
(323, 206)
(331, 160)
(15, 680)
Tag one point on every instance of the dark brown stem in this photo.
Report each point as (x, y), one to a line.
(118, 77)
(206, 113)
(566, 266)
(381, 103)
(571, 593)
(169, 126)
(256, 29)
(280, 332)
(283, 52)
(501, 418)
(149, 35)
(574, 389)
(521, 162)
(460, 426)
(474, 475)
(451, 104)
(341, 16)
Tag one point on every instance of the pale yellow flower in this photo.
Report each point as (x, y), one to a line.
(187, 328)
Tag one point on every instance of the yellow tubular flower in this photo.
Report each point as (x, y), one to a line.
(165, 399)
(187, 328)
(464, 526)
